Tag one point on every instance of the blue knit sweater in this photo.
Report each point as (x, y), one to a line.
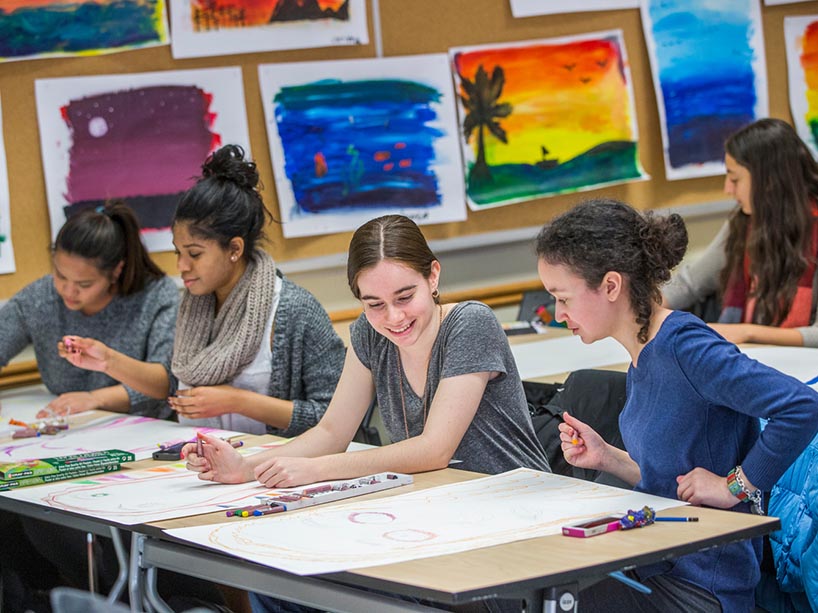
(694, 400)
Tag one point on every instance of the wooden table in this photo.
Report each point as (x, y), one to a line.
(533, 570)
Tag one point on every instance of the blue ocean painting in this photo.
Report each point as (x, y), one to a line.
(359, 145)
(706, 56)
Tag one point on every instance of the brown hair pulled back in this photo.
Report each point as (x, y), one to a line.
(391, 237)
(108, 235)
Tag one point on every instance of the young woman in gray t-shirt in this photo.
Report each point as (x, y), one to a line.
(443, 377)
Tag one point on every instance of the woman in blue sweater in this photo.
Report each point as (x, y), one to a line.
(691, 420)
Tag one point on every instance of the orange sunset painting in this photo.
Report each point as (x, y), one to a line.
(223, 27)
(546, 117)
(213, 14)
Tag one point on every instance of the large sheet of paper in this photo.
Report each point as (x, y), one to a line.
(527, 8)
(139, 435)
(553, 356)
(709, 74)
(352, 140)
(222, 27)
(166, 491)
(141, 138)
(546, 117)
(513, 506)
(24, 403)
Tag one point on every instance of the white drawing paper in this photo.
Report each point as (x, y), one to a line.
(197, 31)
(346, 158)
(553, 356)
(528, 8)
(512, 506)
(139, 435)
(166, 491)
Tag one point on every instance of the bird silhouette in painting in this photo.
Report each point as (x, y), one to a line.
(569, 67)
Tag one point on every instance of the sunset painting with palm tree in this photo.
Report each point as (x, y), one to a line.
(545, 117)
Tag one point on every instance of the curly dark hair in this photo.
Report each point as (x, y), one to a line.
(603, 235)
(784, 184)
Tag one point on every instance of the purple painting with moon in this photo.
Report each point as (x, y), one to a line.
(144, 146)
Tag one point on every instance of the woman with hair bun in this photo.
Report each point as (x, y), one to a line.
(103, 285)
(253, 352)
(691, 420)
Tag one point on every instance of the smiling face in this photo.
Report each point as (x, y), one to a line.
(205, 266)
(398, 301)
(81, 285)
(587, 312)
(738, 184)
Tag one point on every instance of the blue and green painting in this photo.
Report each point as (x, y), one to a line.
(357, 145)
(707, 61)
(32, 28)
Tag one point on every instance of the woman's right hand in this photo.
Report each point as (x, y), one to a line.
(581, 445)
(219, 461)
(85, 353)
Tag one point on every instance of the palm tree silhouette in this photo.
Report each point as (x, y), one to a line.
(482, 112)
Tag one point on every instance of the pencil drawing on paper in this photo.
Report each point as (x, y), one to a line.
(483, 512)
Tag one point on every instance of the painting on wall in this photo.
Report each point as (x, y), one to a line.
(31, 29)
(352, 140)
(703, 96)
(141, 138)
(528, 8)
(6, 248)
(223, 27)
(546, 117)
(801, 35)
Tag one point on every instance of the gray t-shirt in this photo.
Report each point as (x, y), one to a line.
(470, 340)
(140, 325)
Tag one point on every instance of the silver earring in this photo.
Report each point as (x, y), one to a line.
(435, 293)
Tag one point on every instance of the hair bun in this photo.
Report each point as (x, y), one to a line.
(228, 164)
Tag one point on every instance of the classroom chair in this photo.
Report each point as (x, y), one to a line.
(70, 600)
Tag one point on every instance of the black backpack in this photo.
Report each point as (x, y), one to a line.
(595, 397)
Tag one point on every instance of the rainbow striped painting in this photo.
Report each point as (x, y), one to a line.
(801, 35)
(545, 117)
(351, 140)
(222, 27)
(141, 138)
(709, 73)
(32, 29)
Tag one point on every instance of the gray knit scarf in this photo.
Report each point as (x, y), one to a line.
(208, 351)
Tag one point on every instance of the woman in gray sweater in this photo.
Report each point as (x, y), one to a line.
(253, 352)
(104, 285)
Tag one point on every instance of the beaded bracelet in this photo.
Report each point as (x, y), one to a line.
(739, 489)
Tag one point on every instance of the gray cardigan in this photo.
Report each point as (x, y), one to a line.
(307, 358)
(140, 325)
(695, 281)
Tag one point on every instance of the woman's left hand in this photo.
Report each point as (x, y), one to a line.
(701, 487)
(69, 403)
(202, 402)
(288, 472)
